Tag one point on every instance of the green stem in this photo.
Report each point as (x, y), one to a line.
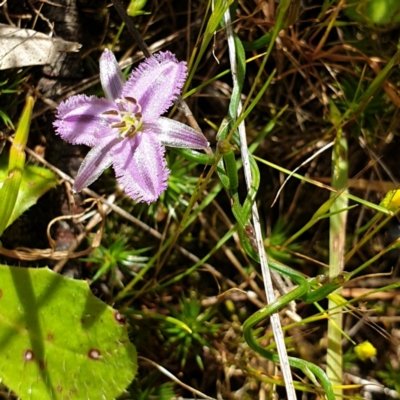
(307, 293)
(337, 241)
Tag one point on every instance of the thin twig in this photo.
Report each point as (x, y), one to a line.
(96, 219)
(175, 379)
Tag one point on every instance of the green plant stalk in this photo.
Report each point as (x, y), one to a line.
(236, 55)
(313, 221)
(369, 235)
(280, 14)
(377, 256)
(373, 87)
(193, 268)
(319, 184)
(165, 318)
(247, 111)
(219, 10)
(337, 242)
(9, 190)
(216, 160)
(309, 292)
(117, 36)
(322, 211)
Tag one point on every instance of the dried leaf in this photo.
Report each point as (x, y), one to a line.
(24, 47)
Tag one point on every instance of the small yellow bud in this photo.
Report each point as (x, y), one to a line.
(365, 350)
(392, 200)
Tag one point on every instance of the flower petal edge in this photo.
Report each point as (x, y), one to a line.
(175, 134)
(156, 83)
(111, 78)
(140, 167)
(79, 121)
(95, 162)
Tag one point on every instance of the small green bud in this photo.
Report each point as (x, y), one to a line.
(224, 147)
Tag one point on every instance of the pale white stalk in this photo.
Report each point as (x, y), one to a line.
(269, 290)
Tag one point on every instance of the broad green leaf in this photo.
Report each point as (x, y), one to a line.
(58, 341)
(36, 181)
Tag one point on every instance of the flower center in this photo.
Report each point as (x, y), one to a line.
(128, 119)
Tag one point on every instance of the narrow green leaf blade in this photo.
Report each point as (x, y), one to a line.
(58, 340)
(10, 188)
(36, 181)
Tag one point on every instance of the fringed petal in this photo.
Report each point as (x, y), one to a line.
(111, 77)
(156, 83)
(175, 134)
(96, 161)
(79, 120)
(140, 167)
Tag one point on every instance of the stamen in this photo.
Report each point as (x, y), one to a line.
(138, 115)
(111, 112)
(130, 131)
(131, 100)
(119, 125)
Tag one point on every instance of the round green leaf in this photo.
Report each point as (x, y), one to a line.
(58, 341)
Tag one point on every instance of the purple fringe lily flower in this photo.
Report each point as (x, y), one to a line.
(126, 129)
